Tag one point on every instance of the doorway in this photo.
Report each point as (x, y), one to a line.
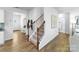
(16, 22)
(61, 23)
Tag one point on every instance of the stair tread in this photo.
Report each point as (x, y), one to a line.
(34, 42)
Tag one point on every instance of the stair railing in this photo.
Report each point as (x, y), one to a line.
(33, 33)
(38, 31)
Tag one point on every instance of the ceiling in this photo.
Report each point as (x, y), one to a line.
(25, 8)
(59, 9)
(67, 9)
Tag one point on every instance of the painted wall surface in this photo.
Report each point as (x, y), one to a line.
(72, 20)
(35, 13)
(1, 37)
(74, 40)
(1, 15)
(1, 31)
(8, 25)
(67, 23)
(50, 33)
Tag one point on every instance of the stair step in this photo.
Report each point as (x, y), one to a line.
(34, 42)
(39, 34)
(41, 29)
(34, 37)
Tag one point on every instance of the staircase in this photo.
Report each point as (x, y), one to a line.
(38, 31)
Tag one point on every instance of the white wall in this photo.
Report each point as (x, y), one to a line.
(72, 20)
(74, 40)
(50, 33)
(35, 13)
(1, 21)
(1, 37)
(67, 23)
(1, 15)
(8, 25)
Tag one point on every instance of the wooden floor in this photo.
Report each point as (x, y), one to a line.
(20, 44)
(59, 44)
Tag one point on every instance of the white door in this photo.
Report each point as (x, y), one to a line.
(16, 22)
